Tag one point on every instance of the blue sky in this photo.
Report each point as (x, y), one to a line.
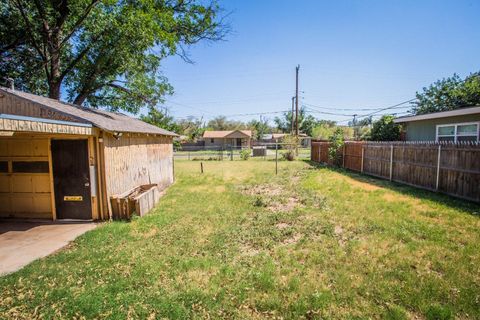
(353, 54)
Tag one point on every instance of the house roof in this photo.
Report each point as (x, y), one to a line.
(225, 134)
(109, 121)
(439, 115)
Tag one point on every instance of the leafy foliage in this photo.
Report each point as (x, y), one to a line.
(259, 127)
(222, 123)
(192, 128)
(384, 129)
(245, 154)
(337, 141)
(102, 53)
(160, 119)
(449, 94)
(291, 144)
(324, 131)
(306, 123)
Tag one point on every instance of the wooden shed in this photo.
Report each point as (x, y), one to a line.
(63, 161)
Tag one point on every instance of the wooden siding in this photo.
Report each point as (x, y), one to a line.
(135, 160)
(11, 104)
(42, 127)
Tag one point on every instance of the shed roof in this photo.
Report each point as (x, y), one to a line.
(109, 121)
(439, 115)
(225, 134)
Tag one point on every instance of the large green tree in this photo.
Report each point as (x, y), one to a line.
(449, 94)
(306, 123)
(259, 127)
(100, 53)
(222, 123)
(160, 119)
(384, 129)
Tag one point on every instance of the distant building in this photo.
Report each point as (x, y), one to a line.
(455, 126)
(305, 140)
(228, 139)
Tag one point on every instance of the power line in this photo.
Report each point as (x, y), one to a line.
(345, 109)
(189, 107)
(387, 108)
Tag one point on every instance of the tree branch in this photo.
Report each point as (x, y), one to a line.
(32, 38)
(79, 22)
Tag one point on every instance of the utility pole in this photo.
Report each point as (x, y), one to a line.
(293, 110)
(355, 126)
(296, 100)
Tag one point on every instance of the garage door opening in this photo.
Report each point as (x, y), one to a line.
(25, 190)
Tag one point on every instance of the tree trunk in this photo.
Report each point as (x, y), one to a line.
(55, 81)
(80, 98)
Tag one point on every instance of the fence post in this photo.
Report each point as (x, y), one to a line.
(188, 154)
(319, 153)
(201, 167)
(343, 156)
(438, 167)
(231, 153)
(363, 153)
(391, 162)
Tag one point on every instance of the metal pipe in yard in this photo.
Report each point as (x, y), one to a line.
(276, 157)
(201, 167)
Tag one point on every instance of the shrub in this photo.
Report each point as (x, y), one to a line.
(290, 143)
(245, 154)
(336, 143)
(385, 129)
(289, 155)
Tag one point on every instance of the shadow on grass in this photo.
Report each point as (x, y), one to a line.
(450, 201)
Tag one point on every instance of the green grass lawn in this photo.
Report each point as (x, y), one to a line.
(239, 242)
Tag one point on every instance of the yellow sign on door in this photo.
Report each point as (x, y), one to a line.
(72, 198)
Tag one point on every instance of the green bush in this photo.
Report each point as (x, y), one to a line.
(336, 143)
(245, 154)
(289, 155)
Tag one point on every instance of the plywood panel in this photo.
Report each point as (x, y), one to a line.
(4, 183)
(22, 183)
(5, 206)
(3, 147)
(42, 203)
(22, 203)
(41, 183)
(40, 147)
(135, 160)
(19, 148)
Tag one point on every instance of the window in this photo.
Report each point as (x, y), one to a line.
(458, 132)
(212, 140)
(30, 166)
(4, 166)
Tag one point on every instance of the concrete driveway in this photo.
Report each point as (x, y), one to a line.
(22, 242)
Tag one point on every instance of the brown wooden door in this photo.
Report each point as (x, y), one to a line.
(71, 179)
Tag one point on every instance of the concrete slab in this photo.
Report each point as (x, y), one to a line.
(22, 242)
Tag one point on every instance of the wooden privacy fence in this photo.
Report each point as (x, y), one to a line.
(449, 168)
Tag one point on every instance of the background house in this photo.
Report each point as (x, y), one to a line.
(228, 139)
(62, 161)
(305, 140)
(456, 125)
